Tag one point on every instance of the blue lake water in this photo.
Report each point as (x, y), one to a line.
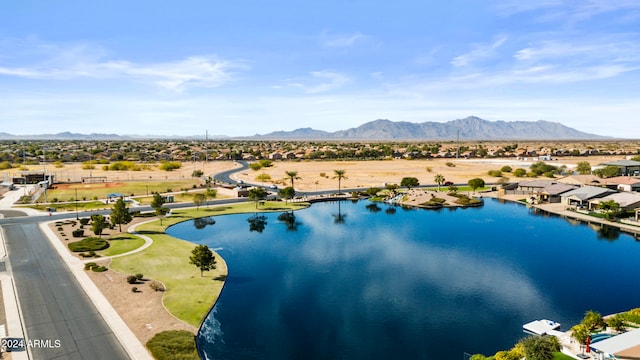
(363, 281)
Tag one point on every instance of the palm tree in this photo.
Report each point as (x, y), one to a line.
(292, 175)
(339, 176)
(439, 179)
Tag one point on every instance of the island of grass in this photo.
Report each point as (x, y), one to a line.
(189, 297)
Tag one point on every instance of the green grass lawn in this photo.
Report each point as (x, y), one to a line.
(561, 356)
(121, 244)
(189, 296)
(88, 191)
(82, 206)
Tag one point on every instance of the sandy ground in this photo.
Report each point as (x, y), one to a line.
(74, 172)
(376, 173)
(143, 311)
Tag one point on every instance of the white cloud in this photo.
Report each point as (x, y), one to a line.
(70, 62)
(321, 81)
(567, 9)
(339, 41)
(479, 52)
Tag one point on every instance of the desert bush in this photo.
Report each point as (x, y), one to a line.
(495, 173)
(156, 286)
(134, 289)
(84, 221)
(90, 265)
(450, 164)
(77, 233)
(173, 344)
(99, 269)
(139, 276)
(170, 165)
(506, 168)
(131, 279)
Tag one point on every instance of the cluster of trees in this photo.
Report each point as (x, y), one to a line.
(530, 348)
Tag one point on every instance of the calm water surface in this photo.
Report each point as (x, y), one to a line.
(363, 281)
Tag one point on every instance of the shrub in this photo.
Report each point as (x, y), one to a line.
(255, 166)
(84, 221)
(131, 279)
(90, 265)
(88, 244)
(173, 344)
(506, 168)
(495, 173)
(139, 276)
(170, 165)
(520, 172)
(156, 286)
(134, 289)
(77, 233)
(99, 269)
(450, 164)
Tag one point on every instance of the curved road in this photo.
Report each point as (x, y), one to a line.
(225, 176)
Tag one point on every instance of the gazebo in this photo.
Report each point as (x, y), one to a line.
(115, 196)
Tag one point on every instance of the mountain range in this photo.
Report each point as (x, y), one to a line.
(470, 128)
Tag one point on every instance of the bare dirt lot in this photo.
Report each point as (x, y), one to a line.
(377, 173)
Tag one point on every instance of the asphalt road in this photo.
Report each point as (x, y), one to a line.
(54, 306)
(224, 177)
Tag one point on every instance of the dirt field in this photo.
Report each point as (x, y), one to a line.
(376, 173)
(74, 172)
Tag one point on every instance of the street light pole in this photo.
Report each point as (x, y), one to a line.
(77, 204)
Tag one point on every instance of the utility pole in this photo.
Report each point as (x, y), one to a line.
(77, 204)
(458, 144)
(44, 161)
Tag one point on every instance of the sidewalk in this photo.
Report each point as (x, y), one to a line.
(12, 312)
(129, 341)
(11, 197)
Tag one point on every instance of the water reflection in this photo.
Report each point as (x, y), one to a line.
(374, 208)
(608, 233)
(339, 218)
(257, 223)
(390, 210)
(289, 219)
(201, 223)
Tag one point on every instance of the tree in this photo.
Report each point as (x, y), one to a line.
(617, 323)
(439, 179)
(287, 193)
(607, 171)
(292, 175)
(583, 168)
(593, 320)
(609, 208)
(198, 199)
(539, 347)
(120, 214)
(202, 258)
(157, 204)
(409, 182)
(475, 183)
(339, 175)
(256, 194)
(453, 189)
(581, 333)
(98, 223)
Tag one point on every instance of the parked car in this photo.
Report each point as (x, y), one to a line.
(447, 183)
(274, 187)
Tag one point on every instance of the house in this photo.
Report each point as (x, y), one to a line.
(623, 183)
(580, 197)
(543, 191)
(624, 346)
(275, 156)
(582, 180)
(626, 167)
(626, 200)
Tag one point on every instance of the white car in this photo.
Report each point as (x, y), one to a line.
(273, 187)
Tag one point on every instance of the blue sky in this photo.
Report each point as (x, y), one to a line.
(247, 67)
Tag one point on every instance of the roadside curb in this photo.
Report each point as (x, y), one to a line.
(125, 336)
